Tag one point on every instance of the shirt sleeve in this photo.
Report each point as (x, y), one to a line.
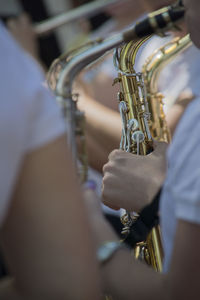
(45, 120)
(183, 180)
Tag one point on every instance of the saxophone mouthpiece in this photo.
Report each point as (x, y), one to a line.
(157, 22)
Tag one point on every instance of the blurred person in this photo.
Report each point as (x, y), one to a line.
(42, 215)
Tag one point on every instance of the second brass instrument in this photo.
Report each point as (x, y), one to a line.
(151, 71)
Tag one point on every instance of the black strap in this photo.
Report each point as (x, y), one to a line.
(148, 218)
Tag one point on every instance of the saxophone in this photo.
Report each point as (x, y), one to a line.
(143, 118)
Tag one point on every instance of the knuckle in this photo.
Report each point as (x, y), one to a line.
(114, 154)
(105, 168)
(106, 179)
(108, 168)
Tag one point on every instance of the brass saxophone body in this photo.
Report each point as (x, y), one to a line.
(143, 118)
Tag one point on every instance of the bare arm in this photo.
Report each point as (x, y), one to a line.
(103, 129)
(46, 236)
(125, 278)
(182, 281)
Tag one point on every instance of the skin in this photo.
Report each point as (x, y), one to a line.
(41, 237)
(192, 20)
(182, 280)
(122, 178)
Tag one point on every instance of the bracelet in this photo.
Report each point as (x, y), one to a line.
(107, 249)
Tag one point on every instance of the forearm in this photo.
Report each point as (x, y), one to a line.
(103, 131)
(54, 251)
(104, 124)
(101, 155)
(126, 278)
(8, 290)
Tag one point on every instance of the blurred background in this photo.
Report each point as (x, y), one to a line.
(62, 39)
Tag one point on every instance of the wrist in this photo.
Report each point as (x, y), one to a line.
(108, 249)
(106, 233)
(112, 270)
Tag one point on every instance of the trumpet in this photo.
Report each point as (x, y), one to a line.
(84, 11)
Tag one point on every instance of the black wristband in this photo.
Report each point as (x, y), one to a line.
(142, 226)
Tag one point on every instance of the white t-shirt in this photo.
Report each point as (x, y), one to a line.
(29, 115)
(180, 198)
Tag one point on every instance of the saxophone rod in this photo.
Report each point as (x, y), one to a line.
(83, 11)
(156, 22)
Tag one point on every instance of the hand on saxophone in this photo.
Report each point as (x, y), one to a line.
(131, 181)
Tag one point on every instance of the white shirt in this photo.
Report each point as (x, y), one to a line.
(180, 198)
(29, 116)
